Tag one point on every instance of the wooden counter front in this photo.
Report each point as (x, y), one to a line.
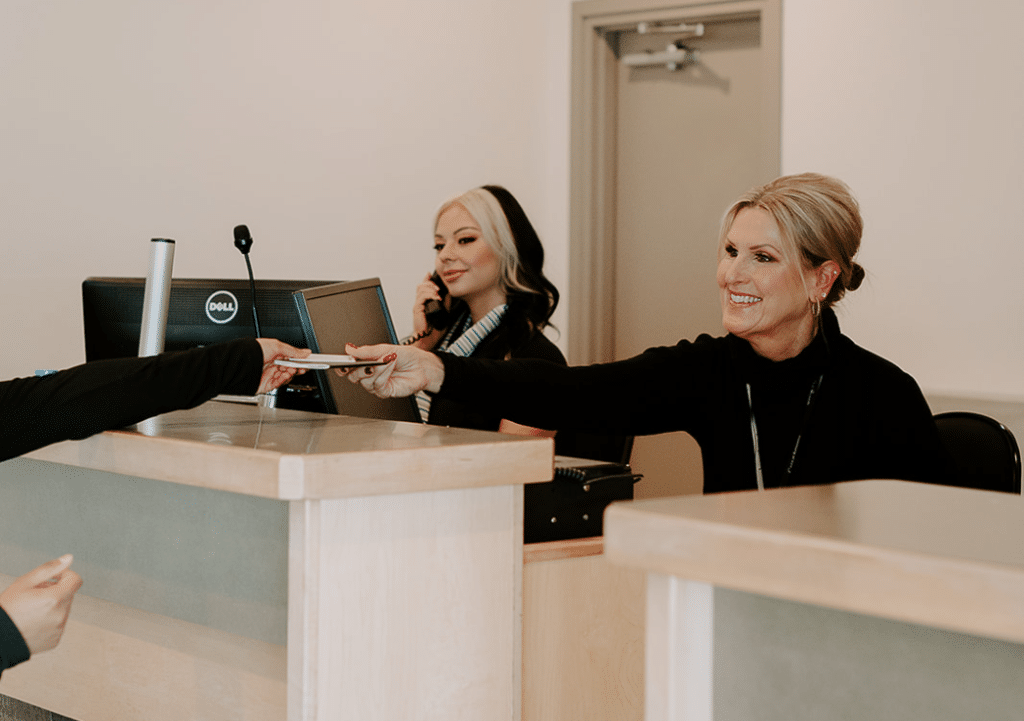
(248, 563)
(934, 556)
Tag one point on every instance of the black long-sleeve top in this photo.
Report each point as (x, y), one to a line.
(869, 419)
(446, 412)
(84, 400)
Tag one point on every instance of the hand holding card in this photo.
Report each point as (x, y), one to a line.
(323, 361)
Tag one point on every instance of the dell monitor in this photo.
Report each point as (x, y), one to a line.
(201, 311)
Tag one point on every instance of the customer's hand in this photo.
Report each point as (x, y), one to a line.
(39, 602)
(275, 376)
(406, 370)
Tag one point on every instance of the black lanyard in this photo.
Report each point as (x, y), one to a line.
(811, 397)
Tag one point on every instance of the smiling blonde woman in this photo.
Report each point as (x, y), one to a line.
(489, 275)
(784, 399)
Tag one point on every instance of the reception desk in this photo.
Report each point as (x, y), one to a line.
(251, 563)
(863, 600)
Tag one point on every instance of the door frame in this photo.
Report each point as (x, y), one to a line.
(592, 147)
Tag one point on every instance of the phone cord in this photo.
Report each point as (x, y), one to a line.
(418, 336)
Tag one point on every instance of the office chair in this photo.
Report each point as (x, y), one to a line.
(984, 452)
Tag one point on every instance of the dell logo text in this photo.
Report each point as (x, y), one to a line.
(222, 306)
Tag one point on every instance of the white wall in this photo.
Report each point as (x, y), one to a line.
(918, 105)
(332, 129)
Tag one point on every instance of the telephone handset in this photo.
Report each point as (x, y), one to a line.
(438, 316)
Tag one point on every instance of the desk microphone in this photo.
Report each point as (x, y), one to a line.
(243, 241)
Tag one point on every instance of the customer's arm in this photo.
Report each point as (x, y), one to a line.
(94, 397)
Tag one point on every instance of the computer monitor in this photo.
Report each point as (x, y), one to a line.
(201, 311)
(352, 312)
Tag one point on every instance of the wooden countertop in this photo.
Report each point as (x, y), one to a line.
(946, 557)
(290, 455)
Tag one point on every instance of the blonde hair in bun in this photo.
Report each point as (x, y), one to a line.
(818, 219)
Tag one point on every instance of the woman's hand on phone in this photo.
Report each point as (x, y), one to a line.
(425, 291)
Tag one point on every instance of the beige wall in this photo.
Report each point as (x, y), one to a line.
(334, 128)
(331, 128)
(918, 105)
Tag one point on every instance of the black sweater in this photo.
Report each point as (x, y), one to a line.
(87, 399)
(78, 402)
(869, 419)
(448, 412)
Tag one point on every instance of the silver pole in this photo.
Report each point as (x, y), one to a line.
(157, 298)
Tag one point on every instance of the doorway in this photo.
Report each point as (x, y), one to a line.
(659, 151)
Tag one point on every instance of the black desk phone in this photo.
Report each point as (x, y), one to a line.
(572, 504)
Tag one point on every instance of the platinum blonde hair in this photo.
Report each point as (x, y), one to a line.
(496, 232)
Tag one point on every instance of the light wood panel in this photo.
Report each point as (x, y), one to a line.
(406, 607)
(404, 573)
(951, 558)
(912, 555)
(284, 454)
(556, 550)
(402, 606)
(583, 625)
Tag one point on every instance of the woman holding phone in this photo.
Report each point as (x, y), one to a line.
(488, 296)
(783, 399)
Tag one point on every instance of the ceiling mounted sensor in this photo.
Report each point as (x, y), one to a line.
(674, 57)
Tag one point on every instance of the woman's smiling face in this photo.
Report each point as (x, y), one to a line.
(765, 294)
(466, 263)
